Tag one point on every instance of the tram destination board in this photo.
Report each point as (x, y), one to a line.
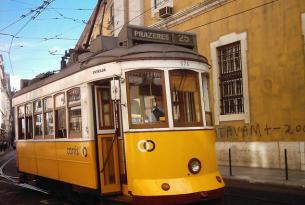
(136, 34)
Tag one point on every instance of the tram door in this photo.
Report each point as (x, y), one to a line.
(107, 139)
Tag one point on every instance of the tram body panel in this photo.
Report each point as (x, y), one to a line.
(26, 157)
(72, 162)
(47, 165)
(77, 168)
(168, 162)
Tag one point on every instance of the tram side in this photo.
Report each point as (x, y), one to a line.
(55, 129)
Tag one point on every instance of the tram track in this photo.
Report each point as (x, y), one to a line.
(13, 180)
(55, 195)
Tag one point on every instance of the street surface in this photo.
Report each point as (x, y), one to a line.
(237, 192)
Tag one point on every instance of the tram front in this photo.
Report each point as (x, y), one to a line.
(169, 143)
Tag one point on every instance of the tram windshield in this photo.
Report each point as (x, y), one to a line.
(147, 98)
(185, 94)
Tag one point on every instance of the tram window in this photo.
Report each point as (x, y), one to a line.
(38, 119)
(60, 116)
(146, 99)
(105, 107)
(29, 121)
(206, 97)
(185, 94)
(75, 113)
(21, 123)
(48, 118)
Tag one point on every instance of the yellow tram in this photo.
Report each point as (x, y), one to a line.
(129, 118)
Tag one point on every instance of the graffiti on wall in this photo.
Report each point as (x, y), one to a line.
(258, 130)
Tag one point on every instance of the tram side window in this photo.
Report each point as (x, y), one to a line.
(146, 99)
(21, 123)
(105, 107)
(60, 116)
(185, 94)
(29, 121)
(206, 97)
(48, 118)
(75, 113)
(38, 119)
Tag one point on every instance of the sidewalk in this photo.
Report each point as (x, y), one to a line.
(264, 176)
(6, 151)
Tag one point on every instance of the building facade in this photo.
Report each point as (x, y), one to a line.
(256, 50)
(5, 104)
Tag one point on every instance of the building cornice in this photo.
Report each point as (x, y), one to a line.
(189, 13)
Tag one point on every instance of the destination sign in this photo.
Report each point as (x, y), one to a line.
(145, 34)
(151, 35)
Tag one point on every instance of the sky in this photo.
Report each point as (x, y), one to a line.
(31, 50)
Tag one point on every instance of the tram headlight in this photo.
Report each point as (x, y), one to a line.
(194, 165)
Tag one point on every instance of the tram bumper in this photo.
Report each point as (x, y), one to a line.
(186, 190)
(180, 199)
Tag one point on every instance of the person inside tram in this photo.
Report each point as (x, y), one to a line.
(158, 111)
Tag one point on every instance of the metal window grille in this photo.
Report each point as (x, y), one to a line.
(230, 78)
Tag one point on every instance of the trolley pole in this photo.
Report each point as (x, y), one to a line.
(286, 165)
(230, 164)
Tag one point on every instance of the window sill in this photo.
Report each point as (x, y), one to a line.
(233, 117)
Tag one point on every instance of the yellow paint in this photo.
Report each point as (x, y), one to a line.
(106, 153)
(168, 163)
(54, 160)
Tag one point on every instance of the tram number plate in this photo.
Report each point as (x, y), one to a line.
(185, 63)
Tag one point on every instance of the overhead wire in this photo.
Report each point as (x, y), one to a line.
(37, 11)
(229, 16)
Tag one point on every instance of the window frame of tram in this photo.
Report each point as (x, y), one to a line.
(206, 98)
(29, 120)
(48, 117)
(230, 79)
(185, 110)
(74, 113)
(21, 123)
(158, 116)
(60, 111)
(37, 119)
(102, 110)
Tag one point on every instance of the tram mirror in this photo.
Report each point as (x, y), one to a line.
(115, 89)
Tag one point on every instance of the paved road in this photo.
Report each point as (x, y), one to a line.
(10, 193)
(237, 192)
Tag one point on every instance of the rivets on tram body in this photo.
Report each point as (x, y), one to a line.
(165, 186)
(218, 178)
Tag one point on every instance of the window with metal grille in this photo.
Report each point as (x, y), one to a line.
(230, 79)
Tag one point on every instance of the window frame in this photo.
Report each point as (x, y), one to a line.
(69, 106)
(148, 125)
(44, 111)
(185, 124)
(222, 41)
(156, 7)
(56, 109)
(18, 123)
(206, 98)
(31, 115)
(36, 113)
(100, 110)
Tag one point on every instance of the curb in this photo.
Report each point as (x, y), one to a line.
(233, 181)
